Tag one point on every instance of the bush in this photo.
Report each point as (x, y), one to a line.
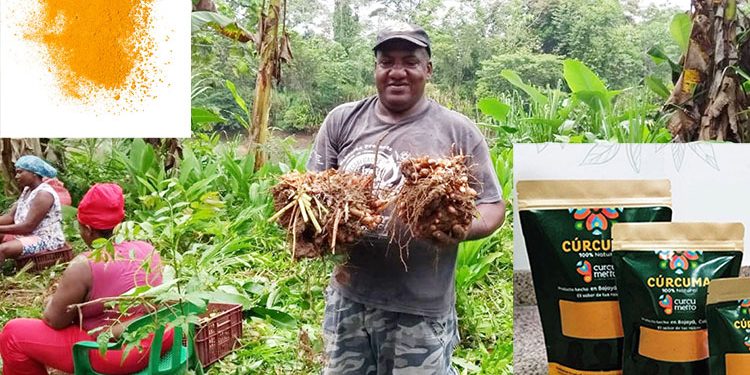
(295, 113)
(89, 161)
(539, 70)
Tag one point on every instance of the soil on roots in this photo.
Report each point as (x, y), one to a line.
(325, 211)
(435, 197)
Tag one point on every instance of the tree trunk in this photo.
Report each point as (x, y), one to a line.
(7, 168)
(268, 32)
(273, 49)
(204, 5)
(170, 150)
(708, 98)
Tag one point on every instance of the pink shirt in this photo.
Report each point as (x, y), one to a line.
(117, 276)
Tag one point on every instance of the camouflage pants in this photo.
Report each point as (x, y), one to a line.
(365, 340)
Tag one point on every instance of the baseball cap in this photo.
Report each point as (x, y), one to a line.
(409, 32)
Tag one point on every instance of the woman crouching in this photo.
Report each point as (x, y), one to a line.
(34, 223)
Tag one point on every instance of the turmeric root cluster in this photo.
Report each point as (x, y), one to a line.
(325, 210)
(436, 196)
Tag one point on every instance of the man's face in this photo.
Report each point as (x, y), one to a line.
(401, 73)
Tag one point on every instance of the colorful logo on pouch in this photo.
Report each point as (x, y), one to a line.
(745, 306)
(594, 220)
(678, 261)
(666, 303)
(584, 269)
(747, 342)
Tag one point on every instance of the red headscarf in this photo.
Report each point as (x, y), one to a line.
(102, 207)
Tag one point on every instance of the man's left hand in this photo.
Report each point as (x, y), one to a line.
(456, 235)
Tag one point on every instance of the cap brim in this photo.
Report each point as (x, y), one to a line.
(403, 37)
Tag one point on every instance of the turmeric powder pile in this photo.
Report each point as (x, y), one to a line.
(97, 47)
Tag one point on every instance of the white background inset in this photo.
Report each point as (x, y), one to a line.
(30, 99)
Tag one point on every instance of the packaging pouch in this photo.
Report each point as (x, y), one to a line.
(663, 274)
(566, 226)
(728, 319)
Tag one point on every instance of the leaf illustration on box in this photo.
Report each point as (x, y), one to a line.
(635, 151)
(678, 155)
(541, 147)
(661, 146)
(706, 152)
(601, 153)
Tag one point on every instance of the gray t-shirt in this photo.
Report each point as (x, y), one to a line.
(374, 274)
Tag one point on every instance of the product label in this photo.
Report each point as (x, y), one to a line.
(679, 290)
(673, 346)
(558, 369)
(603, 324)
(737, 364)
(589, 255)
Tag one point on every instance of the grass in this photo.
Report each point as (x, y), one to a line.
(485, 322)
(485, 316)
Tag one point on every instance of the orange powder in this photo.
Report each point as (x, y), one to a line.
(97, 46)
(673, 346)
(737, 364)
(602, 319)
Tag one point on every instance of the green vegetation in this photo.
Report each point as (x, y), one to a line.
(473, 42)
(208, 218)
(525, 71)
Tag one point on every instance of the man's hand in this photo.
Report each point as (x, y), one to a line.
(491, 217)
(457, 234)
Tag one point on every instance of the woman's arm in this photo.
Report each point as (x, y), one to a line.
(72, 288)
(39, 207)
(7, 218)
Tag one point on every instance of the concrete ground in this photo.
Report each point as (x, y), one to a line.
(529, 356)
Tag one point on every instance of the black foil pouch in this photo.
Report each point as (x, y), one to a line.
(728, 318)
(566, 225)
(663, 274)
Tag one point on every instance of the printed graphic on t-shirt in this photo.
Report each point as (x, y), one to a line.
(316, 159)
(387, 176)
(388, 173)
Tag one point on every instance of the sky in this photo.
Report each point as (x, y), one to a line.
(682, 4)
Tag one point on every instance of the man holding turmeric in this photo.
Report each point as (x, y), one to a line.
(382, 316)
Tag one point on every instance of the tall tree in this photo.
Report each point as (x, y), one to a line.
(346, 27)
(306, 17)
(596, 32)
